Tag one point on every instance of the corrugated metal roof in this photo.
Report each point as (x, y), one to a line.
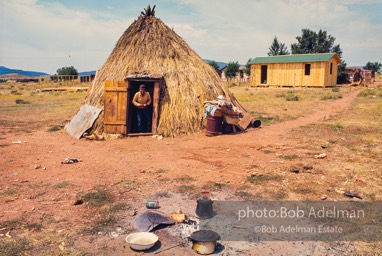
(82, 121)
(294, 58)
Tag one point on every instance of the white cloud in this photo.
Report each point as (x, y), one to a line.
(251, 25)
(49, 34)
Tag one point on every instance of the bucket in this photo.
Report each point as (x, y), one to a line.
(214, 125)
(256, 123)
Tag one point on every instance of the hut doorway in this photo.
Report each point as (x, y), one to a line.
(132, 113)
(120, 115)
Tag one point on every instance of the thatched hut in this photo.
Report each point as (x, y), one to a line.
(178, 79)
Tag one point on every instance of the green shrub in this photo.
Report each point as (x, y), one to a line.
(331, 97)
(15, 92)
(292, 97)
(19, 101)
(55, 128)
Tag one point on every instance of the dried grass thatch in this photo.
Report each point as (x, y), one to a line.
(149, 46)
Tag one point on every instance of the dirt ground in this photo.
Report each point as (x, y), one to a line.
(38, 192)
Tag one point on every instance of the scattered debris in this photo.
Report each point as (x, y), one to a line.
(62, 246)
(94, 136)
(323, 197)
(178, 216)
(340, 190)
(351, 194)
(320, 156)
(8, 235)
(113, 234)
(152, 204)
(19, 142)
(147, 221)
(78, 201)
(325, 146)
(133, 212)
(275, 162)
(295, 170)
(69, 160)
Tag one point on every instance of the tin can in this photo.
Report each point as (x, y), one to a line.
(152, 204)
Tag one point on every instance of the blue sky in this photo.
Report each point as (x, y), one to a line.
(44, 35)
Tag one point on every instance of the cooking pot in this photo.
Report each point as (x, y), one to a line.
(204, 208)
(204, 241)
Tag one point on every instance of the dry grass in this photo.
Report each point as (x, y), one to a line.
(274, 105)
(353, 140)
(44, 109)
(98, 198)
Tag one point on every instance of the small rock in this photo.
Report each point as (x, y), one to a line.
(320, 156)
(351, 195)
(133, 212)
(69, 160)
(295, 170)
(19, 142)
(326, 145)
(160, 137)
(323, 197)
(228, 150)
(78, 201)
(114, 234)
(227, 181)
(38, 166)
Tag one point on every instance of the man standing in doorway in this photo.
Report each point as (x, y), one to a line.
(142, 101)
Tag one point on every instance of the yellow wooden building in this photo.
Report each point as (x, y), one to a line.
(315, 70)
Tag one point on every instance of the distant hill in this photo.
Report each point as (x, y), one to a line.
(87, 73)
(220, 64)
(5, 71)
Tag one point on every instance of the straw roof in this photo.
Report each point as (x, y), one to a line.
(149, 46)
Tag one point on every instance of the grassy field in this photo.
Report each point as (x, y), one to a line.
(266, 103)
(27, 108)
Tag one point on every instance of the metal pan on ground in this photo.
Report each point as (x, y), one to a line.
(141, 241)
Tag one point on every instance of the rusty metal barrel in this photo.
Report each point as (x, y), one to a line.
(214, 125)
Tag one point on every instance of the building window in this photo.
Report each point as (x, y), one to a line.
(307, 69)
(331, 68)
